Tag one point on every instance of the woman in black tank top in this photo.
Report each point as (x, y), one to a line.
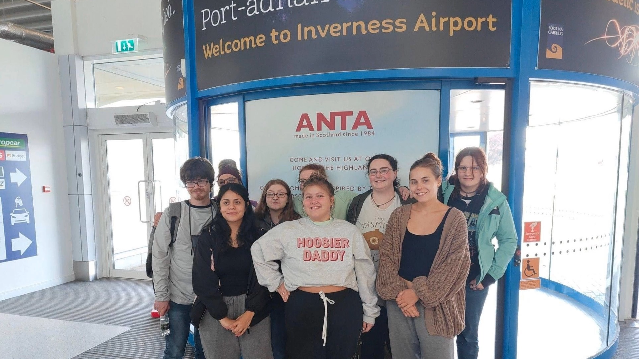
(424, 284)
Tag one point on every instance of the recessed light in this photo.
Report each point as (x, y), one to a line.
(120, 87)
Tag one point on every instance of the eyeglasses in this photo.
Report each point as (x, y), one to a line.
(301, 180)
(464, 169)
(222, 182)
(375, 172)
(279, 195)
(199, 182)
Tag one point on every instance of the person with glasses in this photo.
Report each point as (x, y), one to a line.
(423, 266)
(370, 211)
(228, 172)
(488, 216)
(326, 277)
(275, 207)
(232, 308)
(172, 260)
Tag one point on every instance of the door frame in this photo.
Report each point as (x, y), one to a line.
(104, 209)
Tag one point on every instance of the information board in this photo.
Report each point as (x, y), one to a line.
(17, 223)
(340, 132)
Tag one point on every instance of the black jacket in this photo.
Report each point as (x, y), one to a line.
(355, 206)
(206, 282)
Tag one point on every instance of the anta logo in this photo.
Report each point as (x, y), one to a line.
(341, 119)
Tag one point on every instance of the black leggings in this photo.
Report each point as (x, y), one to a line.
(304, 316)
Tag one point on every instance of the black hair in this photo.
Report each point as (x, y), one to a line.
(248, 231)
(391, 160)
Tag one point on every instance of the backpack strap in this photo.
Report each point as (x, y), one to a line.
(174, 214)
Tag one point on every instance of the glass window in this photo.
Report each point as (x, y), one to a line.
(572, 178)
(181, 138)
(126, 82)
(225, 138)
(473, 110)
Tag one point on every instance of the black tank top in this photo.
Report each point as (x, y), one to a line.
(419, 252)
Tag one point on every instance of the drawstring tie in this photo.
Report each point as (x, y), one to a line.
(325, 302)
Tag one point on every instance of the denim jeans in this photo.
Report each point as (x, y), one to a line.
(279, 333)
(467, 343)
(176, 341)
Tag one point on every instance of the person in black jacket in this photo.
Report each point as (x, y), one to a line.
(229, 299)
(370, 212)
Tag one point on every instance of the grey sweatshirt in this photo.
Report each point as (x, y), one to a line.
(312, 255)
(172, 265)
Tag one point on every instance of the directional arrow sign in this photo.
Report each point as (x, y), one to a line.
(21, 243)
(18, 177)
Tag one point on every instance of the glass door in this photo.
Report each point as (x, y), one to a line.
(140, 179)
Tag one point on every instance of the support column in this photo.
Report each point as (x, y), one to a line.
(71, 68)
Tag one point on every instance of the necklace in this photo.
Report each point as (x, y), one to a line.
(382, 204)
(468, 194)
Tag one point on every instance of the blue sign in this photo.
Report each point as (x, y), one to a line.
(17, 224)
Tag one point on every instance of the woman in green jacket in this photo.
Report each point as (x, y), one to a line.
(488, 216)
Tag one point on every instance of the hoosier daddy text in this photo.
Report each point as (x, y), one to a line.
(316, 249)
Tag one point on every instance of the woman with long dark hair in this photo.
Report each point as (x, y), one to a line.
(275, 207)
(229, 299)
(326, 277)
(423, 266)
(488, 216)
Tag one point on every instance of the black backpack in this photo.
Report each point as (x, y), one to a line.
(174, 213)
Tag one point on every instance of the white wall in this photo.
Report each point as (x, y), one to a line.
(100, 22)
(30, 103)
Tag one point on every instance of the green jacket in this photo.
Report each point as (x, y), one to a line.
(495, 220)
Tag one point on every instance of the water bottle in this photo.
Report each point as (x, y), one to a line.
(164, 325)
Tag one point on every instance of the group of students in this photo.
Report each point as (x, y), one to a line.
(332, 274)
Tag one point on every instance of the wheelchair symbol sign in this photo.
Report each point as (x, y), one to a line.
(530, 268)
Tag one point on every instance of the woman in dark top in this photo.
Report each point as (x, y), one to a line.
(229, 299)
(370, 211)
(423, 266)
(276, 206)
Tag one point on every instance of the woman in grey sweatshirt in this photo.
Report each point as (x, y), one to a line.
(327, 277)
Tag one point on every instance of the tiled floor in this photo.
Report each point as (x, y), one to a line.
(127, 303)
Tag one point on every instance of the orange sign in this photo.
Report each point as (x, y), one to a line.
(530, 268)
(532, 232)
(530, 284)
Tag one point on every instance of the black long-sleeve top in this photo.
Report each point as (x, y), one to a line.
(207, 283)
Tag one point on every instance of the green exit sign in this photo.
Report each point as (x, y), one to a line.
(125, 46)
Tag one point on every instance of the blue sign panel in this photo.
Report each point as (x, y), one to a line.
(17, 224)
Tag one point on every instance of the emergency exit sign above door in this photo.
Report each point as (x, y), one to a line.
(125, 46)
